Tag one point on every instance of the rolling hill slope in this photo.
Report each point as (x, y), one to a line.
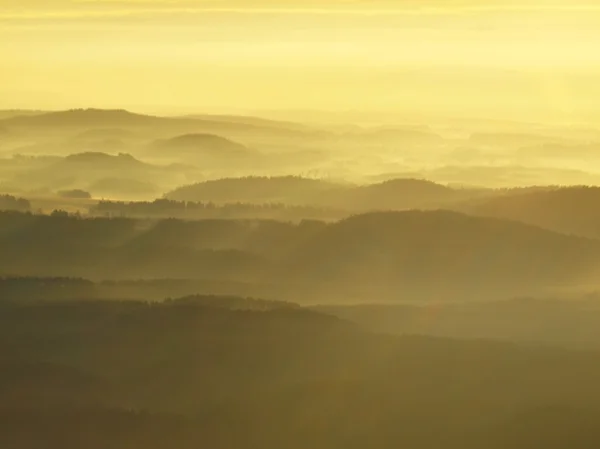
(570, 210)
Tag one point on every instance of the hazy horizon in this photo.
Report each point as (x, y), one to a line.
(495, 59)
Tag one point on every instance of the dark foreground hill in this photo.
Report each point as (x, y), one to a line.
(186, 375)
(395, 255)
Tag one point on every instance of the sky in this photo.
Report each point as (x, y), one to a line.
(448, 56)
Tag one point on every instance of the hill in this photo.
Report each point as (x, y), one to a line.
(9, 202)
(188, 210)
(549, 321)
(386, 135)
(570, 210)
(86, 119)
(102, 174)
(399, 194)
(409, 255)
(83, 118)
(256, 189)
(192, 375)
(199, 146)
(395, 256)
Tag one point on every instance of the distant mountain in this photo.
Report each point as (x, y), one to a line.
(570, 210)
(83, 118)
(64, 147)
(199, 146)
(86, 119)
(409, 255)
(103, 175)
(396, 194)
(400, 193)
(292, 189)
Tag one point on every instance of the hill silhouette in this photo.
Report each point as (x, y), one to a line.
(120, 176)
(400, 193)
(191, 375)
(86, 119)
(9, 202)
(319, 198)
(391, 256)
(570, 210)
(75, 194)
(188, 210)
(83, 118)
(419, 254)
(199, 146)
(256, 189)
(546, 320)
(104, 160)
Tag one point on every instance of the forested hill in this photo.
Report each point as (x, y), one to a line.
(395, 255)
(113, 375)
(571, 210)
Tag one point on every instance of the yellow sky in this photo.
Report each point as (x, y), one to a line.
(429, 54)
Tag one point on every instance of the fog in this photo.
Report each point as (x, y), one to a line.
(299, 224)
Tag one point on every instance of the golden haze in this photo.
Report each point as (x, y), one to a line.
(469, 57)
